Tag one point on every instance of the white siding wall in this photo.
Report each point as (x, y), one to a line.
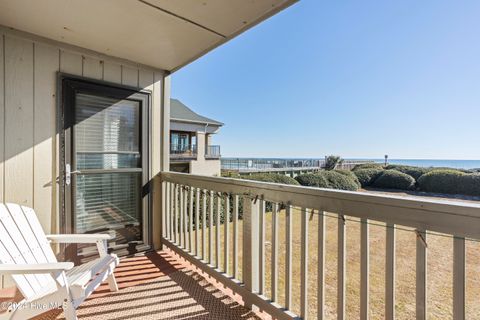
(29, 145)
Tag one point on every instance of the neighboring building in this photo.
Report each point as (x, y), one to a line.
(191, 150)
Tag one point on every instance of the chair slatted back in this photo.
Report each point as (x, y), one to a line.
(22, 241)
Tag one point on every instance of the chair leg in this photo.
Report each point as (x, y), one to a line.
(69, 310)
(112, 282)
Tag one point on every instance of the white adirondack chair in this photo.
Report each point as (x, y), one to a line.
(45, 283)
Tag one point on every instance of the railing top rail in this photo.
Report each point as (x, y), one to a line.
(452, 217)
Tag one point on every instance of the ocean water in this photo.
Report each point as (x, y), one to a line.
(234, 163)
(459, 164)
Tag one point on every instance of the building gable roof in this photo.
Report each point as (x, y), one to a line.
(180, 112)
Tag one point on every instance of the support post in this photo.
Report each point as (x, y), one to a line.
(251, 210)
(159, 211)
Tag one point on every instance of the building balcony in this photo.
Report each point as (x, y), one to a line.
(183, 152)
(212, 152)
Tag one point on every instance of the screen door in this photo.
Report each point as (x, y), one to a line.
(104, 165)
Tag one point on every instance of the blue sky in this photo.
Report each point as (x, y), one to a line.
(353, 78)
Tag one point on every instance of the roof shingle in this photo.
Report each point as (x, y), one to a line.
(180, 112)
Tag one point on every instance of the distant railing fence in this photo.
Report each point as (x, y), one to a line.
(197, 207)
(258, 165)
(183, 150)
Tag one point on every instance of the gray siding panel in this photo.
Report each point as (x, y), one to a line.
(29, 142)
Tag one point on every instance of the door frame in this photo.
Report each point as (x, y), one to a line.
(65, 150)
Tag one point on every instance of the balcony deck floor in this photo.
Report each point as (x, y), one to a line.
(159, 286)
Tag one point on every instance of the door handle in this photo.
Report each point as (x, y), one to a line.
(68, 174)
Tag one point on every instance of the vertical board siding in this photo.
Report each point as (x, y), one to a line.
(71, 63)
(163, 95)
(2, 128)
(30, 146)
(18, 134)
(45, 71)
(112, 72)
(146, 79)
(156, 122)
(2, 117)
(129, 76)
(19, 126)
(92, 68)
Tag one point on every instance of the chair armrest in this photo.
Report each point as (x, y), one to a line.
(79, 238)
(35, 268)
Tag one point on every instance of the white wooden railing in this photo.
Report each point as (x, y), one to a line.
(191, 215)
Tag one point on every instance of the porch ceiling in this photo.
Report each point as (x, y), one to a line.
(166, 34)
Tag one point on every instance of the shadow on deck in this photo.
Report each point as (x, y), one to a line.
(159, 286)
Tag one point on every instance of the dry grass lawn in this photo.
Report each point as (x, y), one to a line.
(440, 265)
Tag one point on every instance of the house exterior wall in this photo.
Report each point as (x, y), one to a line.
(204, 166)
(29, 142)
(208, 140)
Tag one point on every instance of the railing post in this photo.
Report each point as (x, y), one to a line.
(251, 210)
(159, 209)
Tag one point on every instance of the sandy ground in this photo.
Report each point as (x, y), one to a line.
(425, 195)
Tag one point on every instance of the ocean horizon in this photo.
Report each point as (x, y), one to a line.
(458, 164)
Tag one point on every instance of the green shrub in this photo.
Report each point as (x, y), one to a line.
(328, 179)
(366, 177)
(230, 174)
(371, 165)
(415, 172)
(340, 181)
(263, 177)
(270, 177)
(446, 181)
(470, 184)
(453, 169)
(313, 180)
(393, 179)
(351, 175)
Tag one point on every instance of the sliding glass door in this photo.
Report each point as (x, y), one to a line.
(106, 163)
